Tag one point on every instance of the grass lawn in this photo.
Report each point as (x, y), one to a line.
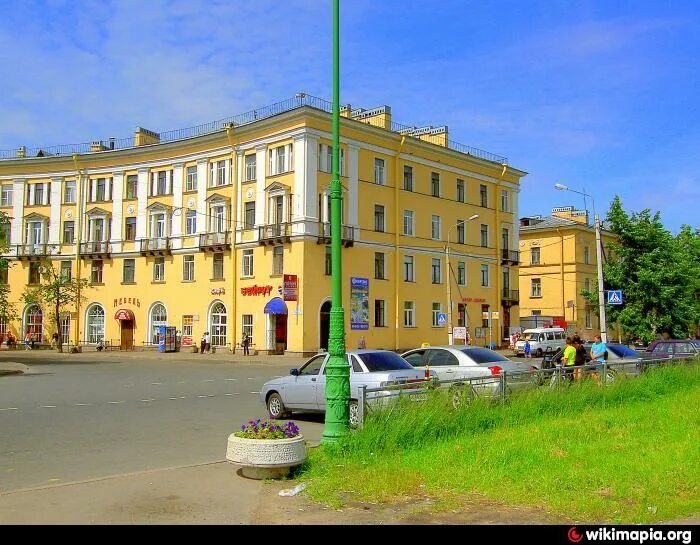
(626, 453)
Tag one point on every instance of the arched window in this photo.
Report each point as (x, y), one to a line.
(159, 317)
(95, 324)
(34, 322)
(218, 321)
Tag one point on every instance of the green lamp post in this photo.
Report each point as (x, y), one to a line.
(337, 371)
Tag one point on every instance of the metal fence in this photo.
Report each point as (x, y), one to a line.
(497, 388)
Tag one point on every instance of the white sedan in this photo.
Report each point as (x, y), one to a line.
(305, 388)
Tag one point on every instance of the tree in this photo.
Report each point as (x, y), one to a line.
(8, 313)
(658, 273)
(56, 291)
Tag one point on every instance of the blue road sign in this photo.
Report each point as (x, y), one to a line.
(614, 297)
(442, 318)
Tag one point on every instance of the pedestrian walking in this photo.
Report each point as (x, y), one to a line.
(54, 340)
(245, 342)
(527, 348)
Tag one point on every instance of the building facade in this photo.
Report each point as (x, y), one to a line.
(225, 228)
(558, 260)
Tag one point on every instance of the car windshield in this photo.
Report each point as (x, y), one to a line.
(622, 351)
(483, 355)
(384, 361)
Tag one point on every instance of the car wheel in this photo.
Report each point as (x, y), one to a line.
(460, 395)
(354, 414)
(276, 407)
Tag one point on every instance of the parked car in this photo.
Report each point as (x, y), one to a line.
(542, 339)
(674, 348)
(305, 388)
(470, 362)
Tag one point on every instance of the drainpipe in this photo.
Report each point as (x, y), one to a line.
(396, 244)
(234, 224)
(561, 272)
(79, 230)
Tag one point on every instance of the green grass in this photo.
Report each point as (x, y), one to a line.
(627, 453)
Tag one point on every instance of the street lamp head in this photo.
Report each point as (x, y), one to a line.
(560, 187)
(473, 217)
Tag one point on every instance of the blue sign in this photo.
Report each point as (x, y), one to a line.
(614, 297)
(442, 318)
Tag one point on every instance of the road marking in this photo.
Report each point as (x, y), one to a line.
(201, 396)
(211, 395)
(10, 409)
(81, 404)
(147, 400)
(224, 394)
(115, 402)
(231, 379)
(178, 397)
(254, 392)
(48, 406)
(208, 380)
(252, 378)
(182, 382)
(156, 383)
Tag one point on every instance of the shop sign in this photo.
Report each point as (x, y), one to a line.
(359, 303)
(218, 291)
(127, 301)
(459, 332)
(291, 287)
(473, 300)
(257, 290)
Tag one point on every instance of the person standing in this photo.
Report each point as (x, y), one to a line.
(28, 341)
(581, 357)
(569, 359)
(245, 342)
(203, 343)
(526, 349)
(598, 350)
(207, 343)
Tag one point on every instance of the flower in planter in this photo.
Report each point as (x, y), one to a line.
(268, 429)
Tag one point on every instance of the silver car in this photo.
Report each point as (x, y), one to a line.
(482, 366)
(305, 388)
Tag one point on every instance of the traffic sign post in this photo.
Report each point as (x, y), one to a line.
(614, 297)
(441, 319)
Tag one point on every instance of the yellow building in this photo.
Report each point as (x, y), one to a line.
(557, 260)
(200, 228)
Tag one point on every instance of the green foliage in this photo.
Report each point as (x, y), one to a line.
(8, 312)
(659, 274)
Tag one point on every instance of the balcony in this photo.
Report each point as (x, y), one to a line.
(156, 246)
(95, 250)
(511, 257)
(347, 236)
(276, 233)
(510, 297)
(32, 252)
(215, 242)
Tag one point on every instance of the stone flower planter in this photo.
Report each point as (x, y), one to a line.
(266, 458)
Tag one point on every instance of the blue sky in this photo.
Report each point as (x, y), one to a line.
(601, 96)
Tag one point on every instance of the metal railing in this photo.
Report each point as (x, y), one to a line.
(161, 244)
(36, 250)
(510, 295)
(214, 239)
(274, 231)
(347, 235)
(100, 247)
(510, 255)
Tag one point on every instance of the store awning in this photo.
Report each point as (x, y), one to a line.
(276, 306)
(124, 314)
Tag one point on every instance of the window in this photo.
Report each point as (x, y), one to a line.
(379, 171)
(129, 271)
(328, 262)
(130, 229)
(159, 269)
(6, 195)
(69, 192)
(66, 271)
(131, 186)
(188, 268)
(409, 314)
(96, 324)
(505, 238)
(4, 275)
(379, 313)
(379, 218)
(587, 284)
(249, 219)
(220, 173)
(247, 262)
(217, 270)
(247, 325)
(436, 272)
(435, 228)
(5, 232)
(485, 276)
(484, 235)
(65, 329)
(278, 260)
(96, 272)
(408, 223)
(408, 178)
(408, 273)
(589, 318)
(534, 256)
(460, 232)
(505, 205)
(460, 190)
(461, 273)
(250, 170)
(280, 159)
(218, 325)
(34, 321)
(435, 184)
(325, 159)
(437, 309)
(586, 255)
(536, 313)
(484, 195)
(191, 179)
(217, 218)
(68, 232)
(159, 317)
(536, 287)
(101, 189)
(38, 193)
(34, 274)
(379, 266)
(190, 222)
(187, 323)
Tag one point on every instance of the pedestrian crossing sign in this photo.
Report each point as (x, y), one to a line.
(614, 297)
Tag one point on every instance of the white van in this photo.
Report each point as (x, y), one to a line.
(541, 339)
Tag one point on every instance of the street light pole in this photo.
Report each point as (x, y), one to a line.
(599, 258)
(450, 336)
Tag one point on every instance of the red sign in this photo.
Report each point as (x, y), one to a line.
(473, 300)
(257, 290)
(291, 287)
(124, 314)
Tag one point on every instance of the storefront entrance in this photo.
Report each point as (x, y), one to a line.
(276, 334)
(325, 325)
(126, 324)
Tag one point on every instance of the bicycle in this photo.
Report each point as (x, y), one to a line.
(561, 376)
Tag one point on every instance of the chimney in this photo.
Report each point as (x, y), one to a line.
(144, 137)
(434, 135)
(570, 213)
(345, 111)
(97, 145)
(22, 152)
(379, 117)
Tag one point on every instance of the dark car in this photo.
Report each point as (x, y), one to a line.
(673, 348)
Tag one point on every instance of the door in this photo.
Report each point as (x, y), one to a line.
(321, 384)
(444, 363)
(301, 391)
(127, 340)
(281, 332)
(325, 325)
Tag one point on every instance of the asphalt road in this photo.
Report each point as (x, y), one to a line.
(73, 421)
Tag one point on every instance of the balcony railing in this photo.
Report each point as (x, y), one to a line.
(36, 251)
(95, 249)
(510, 256)
(155, 246)
(275, 233)
(214, 241)
(347, 235)
(510, 296)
